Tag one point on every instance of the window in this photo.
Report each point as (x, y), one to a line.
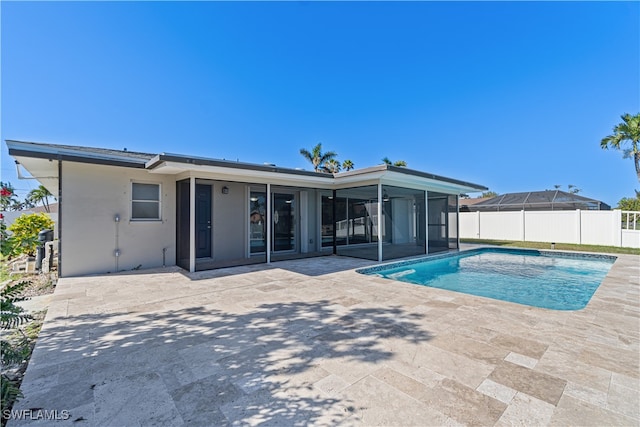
(145, 201)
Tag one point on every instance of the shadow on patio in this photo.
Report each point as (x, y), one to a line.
(211, 367)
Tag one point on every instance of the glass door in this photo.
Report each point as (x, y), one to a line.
(257, 222)
(284, 224)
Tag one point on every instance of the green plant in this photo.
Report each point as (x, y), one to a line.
(629, 203)
(40, 195)
(317, 157)
(7, 195)
(4, 239)
(626, 131)
(11, 317)
(347, 165)
(398, 163)
(25, 231)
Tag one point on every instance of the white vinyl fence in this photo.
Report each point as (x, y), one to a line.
(609, 228)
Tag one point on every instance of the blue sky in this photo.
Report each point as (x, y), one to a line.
(512, 95)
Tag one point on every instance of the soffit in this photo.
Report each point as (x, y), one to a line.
(44, 171)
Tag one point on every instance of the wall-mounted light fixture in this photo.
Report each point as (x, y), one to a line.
(385, 197)
(225, 190)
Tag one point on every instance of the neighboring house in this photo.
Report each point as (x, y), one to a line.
(10, 216)
(120, 210)
(548, 200)
(465, 203)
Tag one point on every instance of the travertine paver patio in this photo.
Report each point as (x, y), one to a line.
(313, 342)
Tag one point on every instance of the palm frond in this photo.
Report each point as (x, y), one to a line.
(9, 392)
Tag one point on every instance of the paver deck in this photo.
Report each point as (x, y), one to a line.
(312, 342)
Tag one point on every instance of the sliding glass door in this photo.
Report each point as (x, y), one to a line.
(284, 224)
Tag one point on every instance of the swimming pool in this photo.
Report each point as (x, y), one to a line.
(554, 280)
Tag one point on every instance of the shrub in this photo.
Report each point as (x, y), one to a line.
(629, 204)
(11, 316)
(25, 231)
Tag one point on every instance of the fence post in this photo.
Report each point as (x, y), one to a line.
(478, 222)
(523, 221)
(617, 227)
(579, 225)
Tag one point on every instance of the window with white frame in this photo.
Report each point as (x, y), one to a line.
(145, 201)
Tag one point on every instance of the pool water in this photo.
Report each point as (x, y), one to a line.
(558, 281)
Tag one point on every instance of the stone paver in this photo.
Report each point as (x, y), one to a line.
(312, 342)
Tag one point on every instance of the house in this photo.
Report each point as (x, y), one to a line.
(8, 217)
(547, 200)
(120, 210)
(466, 203)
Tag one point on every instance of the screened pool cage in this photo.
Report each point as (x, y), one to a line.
(549, 200)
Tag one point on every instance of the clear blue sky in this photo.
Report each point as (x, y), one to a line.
(514, 96)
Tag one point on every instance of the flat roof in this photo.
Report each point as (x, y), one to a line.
(148, 161)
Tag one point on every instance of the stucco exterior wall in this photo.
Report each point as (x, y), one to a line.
(230, 221)
(92, 195)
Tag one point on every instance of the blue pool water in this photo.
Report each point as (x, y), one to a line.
(558, 281)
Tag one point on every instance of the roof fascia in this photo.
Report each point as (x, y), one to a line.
(189, 162)
(223, 173)
(19, 149)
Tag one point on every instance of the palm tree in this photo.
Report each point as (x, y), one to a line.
(317, 157)
(398, 163)
(40, 195)
(332, 166)
(347, 165)
(627, 130)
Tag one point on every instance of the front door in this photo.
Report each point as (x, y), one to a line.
(203, 221)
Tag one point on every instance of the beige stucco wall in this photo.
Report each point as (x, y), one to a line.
(91, 197)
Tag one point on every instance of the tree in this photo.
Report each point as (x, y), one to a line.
(18, 205)
(626, 131)
(629, 203)
(347, 165)
(332, 166)
(489, 194)
(398, 163)
(7, 196)
(317, 157)
(40, 195)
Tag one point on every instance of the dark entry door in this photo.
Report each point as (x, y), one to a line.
(284, 226)
(203, 221)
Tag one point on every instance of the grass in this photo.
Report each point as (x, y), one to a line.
(558, 246)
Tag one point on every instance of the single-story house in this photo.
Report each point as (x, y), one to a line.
(9, 217)
(546, 200)
(121, 210)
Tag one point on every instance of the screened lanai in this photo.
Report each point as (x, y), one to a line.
(548, 200)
